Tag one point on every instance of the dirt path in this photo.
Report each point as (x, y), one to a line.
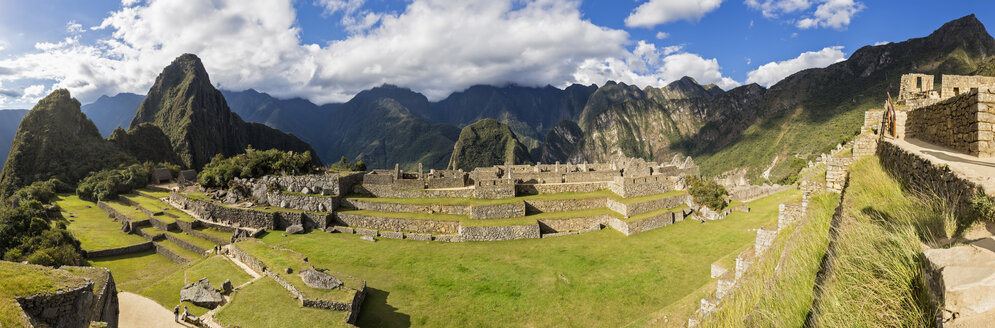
(138, 311)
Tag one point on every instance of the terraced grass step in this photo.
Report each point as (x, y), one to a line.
(155, 205)
(130, 211)
(178, 250)
(214, 232)
(194, 240)
(277, 261)
(92, 226)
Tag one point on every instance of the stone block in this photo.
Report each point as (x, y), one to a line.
(417, 236)
(366, 232)
(392, 234)
(449, 238)
(343, 229)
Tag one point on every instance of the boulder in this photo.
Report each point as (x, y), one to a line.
(318, 279)
(226, 287)
(202, 294)
(295, 229)
(305, 191)
(288, 270)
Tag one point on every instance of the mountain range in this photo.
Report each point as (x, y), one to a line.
(750, 126)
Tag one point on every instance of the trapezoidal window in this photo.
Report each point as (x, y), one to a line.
(919, 82)
(956, 91)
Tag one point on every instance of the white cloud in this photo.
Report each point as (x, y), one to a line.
(662, 35)
(832, 13)
(34, 90)
(74, 28)
(773, 72)
(434, 46)
(881, 43)
(129, 3)
(775, 8)
(656, 12)
(3, 45)
(348, 7)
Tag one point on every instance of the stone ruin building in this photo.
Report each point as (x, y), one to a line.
(959, 115)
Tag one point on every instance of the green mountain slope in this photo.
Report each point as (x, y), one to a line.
(146, 143)
(487, 143)
(197, 120)
(56, 140)
(811, 111)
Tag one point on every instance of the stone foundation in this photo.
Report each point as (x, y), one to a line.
(499, 233)
(501, 211)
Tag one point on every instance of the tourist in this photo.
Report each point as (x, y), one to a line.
(186, 312)
(176, 313)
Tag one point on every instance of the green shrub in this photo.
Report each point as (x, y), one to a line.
(108, 184)
(27, 232)
(42, 191)
(709, 193)
(983, 207)
(343, 165)
(796, 166)
(220, 172)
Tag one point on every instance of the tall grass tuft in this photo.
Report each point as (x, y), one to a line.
(873, 272)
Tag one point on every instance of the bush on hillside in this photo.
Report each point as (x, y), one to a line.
(709, 193)
(344, 166)
(27, 232)
(42, 191)
(796, 166)
(253, 164)
(108, 184)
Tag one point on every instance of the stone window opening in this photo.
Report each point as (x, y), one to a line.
(956, 91)
(919, 83)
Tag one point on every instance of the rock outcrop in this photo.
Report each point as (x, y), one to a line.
(318, 279)
(202, 294)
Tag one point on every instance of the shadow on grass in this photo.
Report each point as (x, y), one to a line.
(377, 313)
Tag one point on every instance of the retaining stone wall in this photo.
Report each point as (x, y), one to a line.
(64, 308)
(406, 208)
(575, 224)
(963, 123)
(494, 189)
(642, 186)
(501, 211)
(788, 213)
(251, 262)
(304, 203)
(114, 214)
(647, 224)
(158, 224)
(553, 188)
(918, 172)
(137, 248)
(765, 239)
(748, 193)
(186, 245)
(499, 233)
(395, 224)
(328, 184)
(964, 84)
(209, 211)
(176, 258)
(388, 192)
(648, 206)
(563, 205)
(104, 307)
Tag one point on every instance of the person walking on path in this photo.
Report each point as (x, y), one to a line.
(176, 313)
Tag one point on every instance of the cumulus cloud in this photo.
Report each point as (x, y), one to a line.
(34, 90)
(662, 35)
(774, 8)
(832, 13)
(773, 72)
(656, 12)
(434, 46)
(828, 14)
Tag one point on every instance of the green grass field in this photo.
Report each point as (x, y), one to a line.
(224, 235)
(215, 268)
(21, 280)
(540, 282)
(278, 260)
(133, 272)
(128, 210)
(92, 226)
(196, 241)
(155, 205)
(280, 309)
(183, 252)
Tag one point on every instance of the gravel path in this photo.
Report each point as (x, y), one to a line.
(139, 311)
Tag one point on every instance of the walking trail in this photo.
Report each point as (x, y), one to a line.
(139, 311)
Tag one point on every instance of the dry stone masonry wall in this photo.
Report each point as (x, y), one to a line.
(963, 123)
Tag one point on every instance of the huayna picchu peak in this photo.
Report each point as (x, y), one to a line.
(197, 119)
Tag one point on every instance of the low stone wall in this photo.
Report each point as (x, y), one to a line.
(388, 192)
(963, 123)
(136, 248)
(186, 245)
(501, 211)
(158, 224)
(642, 186)
(919, 173)
(552, 188)
(301, 202)
(176, 258)
(405, 208)
(209, 211)
(306, 219)
(496, 233)
(574, 224)
(749, 193)
(647, 206)
(563, 205)
(328, 184)
(396, 224)
(658, 221)
(114, 214)
(245, 258)
(64, 308)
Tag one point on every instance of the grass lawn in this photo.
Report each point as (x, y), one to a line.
(215, 268)
(92, 226)
(654, 213)
(279, 309)
(213, 232)
(277, 260)
(155, 205)
(154, 193)
(608, 279)
(196, 241)
(133, 272)
(20, 280)
(130, 211)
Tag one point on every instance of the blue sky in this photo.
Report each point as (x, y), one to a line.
(327, 50)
